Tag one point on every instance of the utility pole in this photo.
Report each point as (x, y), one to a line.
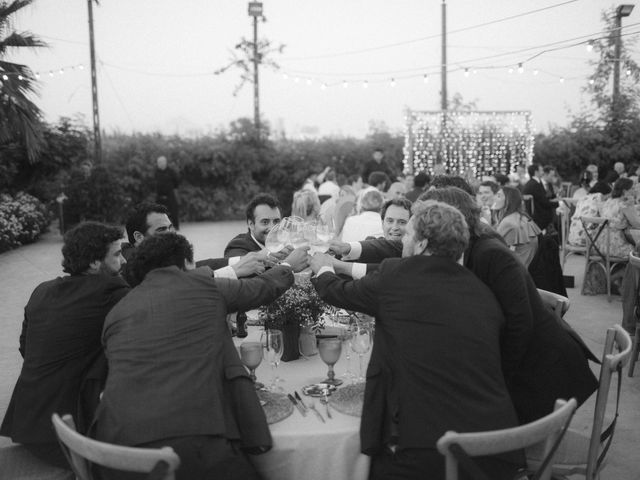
(443, 93)
(97, 145)
(621, 11)
(255, 11)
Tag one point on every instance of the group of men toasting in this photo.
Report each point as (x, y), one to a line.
(463, 340)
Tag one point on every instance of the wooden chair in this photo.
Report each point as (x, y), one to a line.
(547, 431)
(565, 188)
(81, 451)
(595, 228)
(566, 248)
(559, 304)
(585, 454)
(528, 204)
(635, 263)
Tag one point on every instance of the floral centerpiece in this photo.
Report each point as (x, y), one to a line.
(300, 307)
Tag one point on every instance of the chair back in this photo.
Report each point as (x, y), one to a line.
(546, 429)
(566, 213)
(81, 451)
(555, 302)
(635, 351)
(612, 362)
(528, 204)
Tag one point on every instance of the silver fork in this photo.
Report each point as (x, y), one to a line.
(312, 406)
(325, 400)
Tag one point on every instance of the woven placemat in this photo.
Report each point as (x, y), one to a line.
(348, 399)
(277, 408)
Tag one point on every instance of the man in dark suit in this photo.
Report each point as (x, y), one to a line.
(542, 359)
(543, 206)
(175, 377)
(426, 360)
(60, 339)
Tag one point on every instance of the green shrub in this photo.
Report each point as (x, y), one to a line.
(23, 219)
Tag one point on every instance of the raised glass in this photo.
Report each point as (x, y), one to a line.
(330, 350)
(251, 356)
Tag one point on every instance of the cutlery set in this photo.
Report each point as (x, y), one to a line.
(303, 407)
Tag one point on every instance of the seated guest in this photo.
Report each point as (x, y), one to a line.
(175, 378)
(368, 223)
(329, 187)
(420, 181)
(60, 339)
(306, 205)
(378, 181)
(334, 209)
(396, 190)
(583, 186)
(622, 215)
(516, 227)
(587, 206)
(431, 351)
(153, 219)
(485, 198)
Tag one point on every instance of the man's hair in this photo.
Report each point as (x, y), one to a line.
(86, 243)
(547, 169)
(421, 179)
(305, 204)
(330, 176)
(443, 226)
(532, 169)
(160, 251)
(376, 178)
(621, 186)
(260, 199)
(464, 202)
(493, 185)
(353, 178)
(398, 202)
(137, 221)
(372, 201)
(441, 181)
(502, 179)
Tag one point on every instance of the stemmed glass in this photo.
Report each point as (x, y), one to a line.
(272, 342)
(346, 334)
(324, 233)
(361, 343)
(330, 349)
(251, 356)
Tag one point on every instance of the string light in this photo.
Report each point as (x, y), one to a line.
(20, 77)
(628, 71)
(561, 79)
(393, 82)
(510, 70)
(297, 80)
(5, 77)
(61, 71)
(51, 73)
(520, 68)
(466, 72)
(345, 84)
(591, 81)
(324, 86)
(425, 78)
(590, 46)
(535, 72)
(365, 84)
(285, 76)
(309, 81)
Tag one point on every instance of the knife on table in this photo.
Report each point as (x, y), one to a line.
(299, 398)
(295, 404)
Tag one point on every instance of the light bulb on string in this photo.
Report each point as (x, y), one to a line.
(510, 70)
(561, 79)
(393, 82)
(590, 46)
(309, 81)
(61, 71)
(5, 77)
(365, 84)
(520, 68)
(425, 78)
(466, 72)
(297, 80)
(37, 75)
(323, 87)
(20, 77)
(80, 67)
(345, 84)
(591, 81)
(475, 71)
(628, 71)
(285, 76)
(535, 72)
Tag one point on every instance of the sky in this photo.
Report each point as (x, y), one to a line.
(345, 63)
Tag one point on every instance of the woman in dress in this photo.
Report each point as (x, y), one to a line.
(306, 205)
(622, 215)
(587, 206)
(515, 226)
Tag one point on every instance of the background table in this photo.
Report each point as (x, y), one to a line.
(304, 447)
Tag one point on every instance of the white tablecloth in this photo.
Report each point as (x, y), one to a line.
(303, 447)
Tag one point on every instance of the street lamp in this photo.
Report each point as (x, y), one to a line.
(621, 11)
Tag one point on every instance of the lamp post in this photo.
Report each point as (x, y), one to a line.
(621, 11)
(255, 11)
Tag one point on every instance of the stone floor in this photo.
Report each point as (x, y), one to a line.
(21, 270)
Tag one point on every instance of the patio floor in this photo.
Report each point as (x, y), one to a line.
(23, 269)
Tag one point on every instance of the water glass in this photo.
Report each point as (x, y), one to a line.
(361, 343)
(330, 349)
(251, 356)
(273, 345)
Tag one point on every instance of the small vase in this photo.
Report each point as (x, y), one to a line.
(290, 336)
(308, 343)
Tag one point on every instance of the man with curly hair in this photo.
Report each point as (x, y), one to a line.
(60, 338)
(175, 378)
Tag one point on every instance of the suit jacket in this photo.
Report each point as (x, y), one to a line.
(60, 341)
(542, 359)
(436, 359)
(543, 208)
(241, 245)
(213, 263)
(173, 368)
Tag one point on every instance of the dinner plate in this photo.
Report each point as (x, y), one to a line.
(318, 389)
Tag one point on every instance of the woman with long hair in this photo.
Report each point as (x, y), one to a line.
(306, 205)
(515, 226)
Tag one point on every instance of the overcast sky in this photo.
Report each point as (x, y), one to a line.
(156, 60)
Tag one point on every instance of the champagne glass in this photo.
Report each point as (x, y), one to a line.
(273, 344)
(251, 356)
(323, 235)
(330, 349)
(345, 336)
(361, 343)
(276, 239)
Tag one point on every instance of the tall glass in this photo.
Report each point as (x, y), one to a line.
(273, 347)
(361, 343)
(251, 356)
(330, 349)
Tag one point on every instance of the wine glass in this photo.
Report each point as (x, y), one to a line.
(361, 343)
(330, 349)
(251, 356)
(272, 342)
(277, 239)
(345, 335)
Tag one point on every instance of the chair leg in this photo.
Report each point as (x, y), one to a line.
(636, 350)
(584, 277)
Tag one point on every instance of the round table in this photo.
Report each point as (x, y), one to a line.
(304, 447)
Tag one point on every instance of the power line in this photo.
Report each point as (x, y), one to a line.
(416, 40)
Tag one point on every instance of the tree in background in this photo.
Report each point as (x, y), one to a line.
(20, 118)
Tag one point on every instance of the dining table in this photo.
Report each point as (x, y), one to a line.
(304, 447)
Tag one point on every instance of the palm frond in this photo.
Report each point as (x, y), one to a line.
(21, 39)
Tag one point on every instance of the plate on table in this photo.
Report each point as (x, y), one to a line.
(348, 400)
(276, 406)
(318, 389)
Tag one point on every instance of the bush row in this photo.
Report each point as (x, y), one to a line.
(23, 218)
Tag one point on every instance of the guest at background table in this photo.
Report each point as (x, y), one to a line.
(620, 210)
(435, 363)
(485, 198)
(368, 223)
(60, 341)
(516, 227)
(306, 205)
(175, 377)
(420, 182)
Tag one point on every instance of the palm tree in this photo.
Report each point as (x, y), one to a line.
(20, 118)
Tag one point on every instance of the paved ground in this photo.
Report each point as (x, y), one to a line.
(21, 270)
